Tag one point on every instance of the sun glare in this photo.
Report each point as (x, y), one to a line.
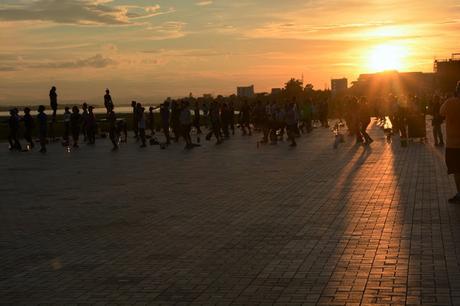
(387, 57)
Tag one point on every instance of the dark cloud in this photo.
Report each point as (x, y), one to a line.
(97, 61)
(7, 68)
(65, 11)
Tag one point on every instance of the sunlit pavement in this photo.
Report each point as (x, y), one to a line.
(230, 224)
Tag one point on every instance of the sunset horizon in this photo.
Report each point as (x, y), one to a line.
(151, 50)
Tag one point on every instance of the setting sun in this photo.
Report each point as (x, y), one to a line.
(387, 57)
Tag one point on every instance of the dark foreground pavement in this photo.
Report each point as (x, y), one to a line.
(233, 224)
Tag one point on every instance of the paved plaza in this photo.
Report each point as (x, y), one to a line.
(230, 224)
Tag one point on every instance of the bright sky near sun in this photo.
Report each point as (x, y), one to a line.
(148, 50)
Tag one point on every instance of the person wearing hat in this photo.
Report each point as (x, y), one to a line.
(451, 111)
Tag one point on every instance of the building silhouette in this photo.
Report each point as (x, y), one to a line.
(394, 82)
(447, 73)
(245, 91)
(339, 86)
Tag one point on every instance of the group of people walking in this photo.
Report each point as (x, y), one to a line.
(177, 120)
(274, 118)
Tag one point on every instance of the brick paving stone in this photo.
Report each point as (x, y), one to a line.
(230, 225)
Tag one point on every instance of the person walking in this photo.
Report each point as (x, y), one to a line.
(108, 103)
(91, 126)
(135, 119)
(245, 119)
(231, 112)
(54, 106)
(67, 116)
(13, 125)
(196, 118)
(307, 115)
(75, 125)
(113, 128)
(214, 118)
(84, 121)
(151, 121)
(175, 120)
(225, 119)
(42, 128)
(28, 127)
(141, 124)
(451, 111)
(291, 123)
(186, 124)
(437, 121)
(164, 114)
(364, 120)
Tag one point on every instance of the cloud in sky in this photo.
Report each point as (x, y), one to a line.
(98, 61)
(82, 12)
(204, 2)
(65, 11)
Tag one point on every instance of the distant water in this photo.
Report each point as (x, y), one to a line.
(97, 110)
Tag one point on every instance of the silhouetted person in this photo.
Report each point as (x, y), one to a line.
(42, 120)
(91, 126)
(353, 120)
(225, 119)
(113, 128)
(67, 116)
(364, 120)
(214, 118)
(54, 106)
(175, 120)
(186, 124)
(135, 119)
(108, 103)
(231, 111)
(245, 119)
(84, 121)
(451, 111)
(323, 113)
(272, 122)
(164, 114)
(196, 118)
(401, 122)
(265, 123)
(141, 124)
(151, 121)
(205, 109)
(307, 115)
(281, 121)
(13, 125)
(28, 127)
(291, 123)
(436, 122)
(75, 125)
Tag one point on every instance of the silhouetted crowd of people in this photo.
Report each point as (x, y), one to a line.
(275, 118)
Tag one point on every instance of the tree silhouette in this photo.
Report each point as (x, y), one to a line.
(293, 88)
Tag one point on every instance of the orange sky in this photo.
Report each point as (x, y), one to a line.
(147, 50)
